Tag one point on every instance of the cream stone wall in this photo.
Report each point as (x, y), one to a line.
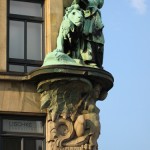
(54, 17)
(19, 96)
(3, 28)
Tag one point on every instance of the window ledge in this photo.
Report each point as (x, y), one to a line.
(13, 76)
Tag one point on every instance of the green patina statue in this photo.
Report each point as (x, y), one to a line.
(93, 45)
(80, 40)
(69, 39)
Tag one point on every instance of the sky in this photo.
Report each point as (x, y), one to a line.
(125, 113)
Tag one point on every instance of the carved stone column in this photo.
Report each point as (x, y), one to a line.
(69, 95)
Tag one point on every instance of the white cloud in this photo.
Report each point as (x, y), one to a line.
(139, 5)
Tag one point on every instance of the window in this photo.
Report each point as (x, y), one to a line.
(22, 133)
(25, 35)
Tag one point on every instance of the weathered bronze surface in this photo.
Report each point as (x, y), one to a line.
(80, 36)
(93, 40)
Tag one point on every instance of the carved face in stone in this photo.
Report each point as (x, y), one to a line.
(76, 17)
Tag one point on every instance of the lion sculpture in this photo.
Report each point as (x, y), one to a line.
(70, 32)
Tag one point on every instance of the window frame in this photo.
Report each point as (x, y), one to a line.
(23, 136)
(25, 19)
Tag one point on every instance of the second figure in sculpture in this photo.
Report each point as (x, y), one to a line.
(93, 39)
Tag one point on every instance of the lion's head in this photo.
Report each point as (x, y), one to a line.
(75, 15)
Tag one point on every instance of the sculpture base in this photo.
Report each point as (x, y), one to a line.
(98, 75)
(69, 93)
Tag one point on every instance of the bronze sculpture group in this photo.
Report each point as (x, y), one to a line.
(80, 34)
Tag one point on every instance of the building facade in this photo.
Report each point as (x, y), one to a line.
(28, 31)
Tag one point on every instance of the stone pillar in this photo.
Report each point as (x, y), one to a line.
(69, 96)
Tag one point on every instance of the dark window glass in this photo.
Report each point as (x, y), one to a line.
(30, 144)
(16, 68)
(34, 41)
(25, 35)
(11, 143)
(26, 8)
(16, 39)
